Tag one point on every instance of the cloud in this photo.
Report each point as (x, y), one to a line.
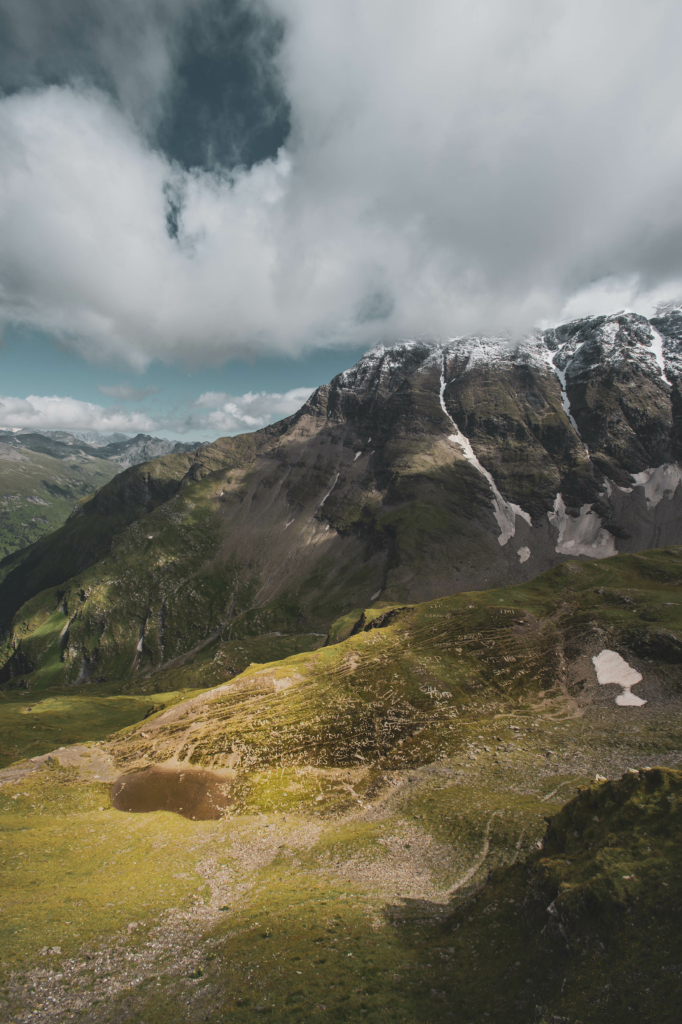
(229, 413)
(126, 393)
(450, 167)
(52, 412)
(126, 49)
(196, 77)
(224, 414)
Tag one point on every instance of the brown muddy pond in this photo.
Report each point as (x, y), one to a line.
(192, 792)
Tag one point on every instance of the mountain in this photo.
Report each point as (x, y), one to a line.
(44, 474)
(131, 451)
(95, 438)
(117, 448)
(425, 470)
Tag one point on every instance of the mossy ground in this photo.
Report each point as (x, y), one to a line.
(291, 915)
(404, 884)
(34, 724)
(114, 917)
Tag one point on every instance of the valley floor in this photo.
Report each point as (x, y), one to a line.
(420, 829)
(380, 913)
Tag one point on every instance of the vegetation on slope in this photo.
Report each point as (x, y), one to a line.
(38, 492)
(411, 690)
(31, 726)
(385, 855)
(157, 918)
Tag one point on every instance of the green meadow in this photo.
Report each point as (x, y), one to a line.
(420, 825)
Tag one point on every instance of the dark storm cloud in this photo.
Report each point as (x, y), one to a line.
(197, 76)
(226, 106)
(194, 179)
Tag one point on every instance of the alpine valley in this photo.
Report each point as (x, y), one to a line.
(43, 474)
(371, 714)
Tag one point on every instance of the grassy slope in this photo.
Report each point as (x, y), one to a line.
(31, 726)
(173, 549)
(38, 492)
(413, 691)
(343, 889)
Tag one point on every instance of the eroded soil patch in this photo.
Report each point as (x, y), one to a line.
(192, 792)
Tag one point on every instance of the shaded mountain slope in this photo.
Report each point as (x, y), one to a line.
(422, 471)
(586, 928)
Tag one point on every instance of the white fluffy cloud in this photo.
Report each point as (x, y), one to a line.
(452, 166)
(52, 412)
(212, 415)
(229, 413)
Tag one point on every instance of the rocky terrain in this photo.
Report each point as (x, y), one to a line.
(424, 470)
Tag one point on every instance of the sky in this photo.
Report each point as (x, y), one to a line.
(210, 207)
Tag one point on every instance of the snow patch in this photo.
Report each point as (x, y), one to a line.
(611, 668)
(524, 554)
(657, 346)
(561, 374)
(581, 536)
(375, 596)
(505, 512)
(139, 644)
(329, 491)
(659, 483)
(483, 350)
(357, 456)
(609, 485)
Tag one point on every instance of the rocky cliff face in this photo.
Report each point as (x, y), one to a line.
(424, 470)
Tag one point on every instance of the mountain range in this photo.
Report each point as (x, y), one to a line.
(425, 470)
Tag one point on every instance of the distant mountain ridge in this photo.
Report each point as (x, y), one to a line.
(43, 474)
(424, 470)
(93, 437)
(124, 451)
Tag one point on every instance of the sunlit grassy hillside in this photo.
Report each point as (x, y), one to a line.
(384, 854)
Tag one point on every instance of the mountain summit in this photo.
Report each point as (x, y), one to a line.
(424, 470)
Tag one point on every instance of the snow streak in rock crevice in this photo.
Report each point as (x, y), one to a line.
(561, 375)
(336, 480)
(657, 347)
(505, 512)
